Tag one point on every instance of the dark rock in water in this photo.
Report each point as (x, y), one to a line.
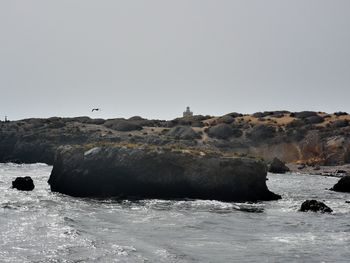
(343, 185)
(277, 166)
(157, 173)
(315, 206)
(23, 183)
(183, 133)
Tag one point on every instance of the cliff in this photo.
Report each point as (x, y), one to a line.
(157, 172)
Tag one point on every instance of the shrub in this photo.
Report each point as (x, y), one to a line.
(221, 131)
(340, 123)
(262, 132)
(122, 125)
(314, 119)
(305, 114)
(340, 113)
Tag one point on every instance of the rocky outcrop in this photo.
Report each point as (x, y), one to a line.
(315, 206)
(336, 150)
(23, 183)
(343, 185)
(313, 138)
(157, 173)
(277, 166)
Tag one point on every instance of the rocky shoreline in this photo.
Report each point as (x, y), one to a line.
(312, 142)
(333, 171)
(313, 138)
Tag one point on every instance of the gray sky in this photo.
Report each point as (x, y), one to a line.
(153, 58)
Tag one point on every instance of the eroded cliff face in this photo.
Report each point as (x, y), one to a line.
(307, 137)
(139, 172)
(313, 150)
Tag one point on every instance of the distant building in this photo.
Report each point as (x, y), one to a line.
(188, 112)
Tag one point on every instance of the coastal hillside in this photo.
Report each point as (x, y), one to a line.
(295, 137)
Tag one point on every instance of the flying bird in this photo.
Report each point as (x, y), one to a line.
(95, 109)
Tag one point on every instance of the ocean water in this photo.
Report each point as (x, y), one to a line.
(41, 226)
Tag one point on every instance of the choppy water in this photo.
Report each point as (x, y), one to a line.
(41, 226)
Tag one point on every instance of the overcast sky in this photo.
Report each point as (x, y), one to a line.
(153, 58)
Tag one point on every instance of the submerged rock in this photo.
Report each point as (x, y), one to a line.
(315, 206)
(343, 185)
(277, 166)
(157, 173)
(23, 183)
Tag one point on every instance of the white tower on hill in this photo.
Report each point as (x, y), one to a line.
(188, 112)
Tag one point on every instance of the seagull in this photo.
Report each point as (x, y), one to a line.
(96, 109)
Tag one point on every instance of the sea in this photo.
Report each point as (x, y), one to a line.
(43, 226)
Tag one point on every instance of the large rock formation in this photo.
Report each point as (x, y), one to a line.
(315, 206)
(277, 166)
(23, 183)
(157, 173)
(343, 185)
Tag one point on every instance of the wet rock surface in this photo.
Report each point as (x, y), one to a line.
(315, 206)
(157, 173)
(277, 166)
(343, 185)
(23, 183)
